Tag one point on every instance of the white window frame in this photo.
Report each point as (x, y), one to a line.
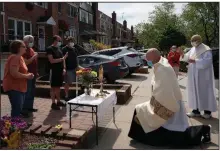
(70, 8)
(86, 15)
(23, 24)
(90, 15)
(45, 4)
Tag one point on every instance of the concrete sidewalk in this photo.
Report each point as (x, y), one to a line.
(116, 136)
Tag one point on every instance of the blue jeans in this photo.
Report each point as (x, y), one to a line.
(29, 95)
(16, 99)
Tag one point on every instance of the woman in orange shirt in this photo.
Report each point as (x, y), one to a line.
(15, 77)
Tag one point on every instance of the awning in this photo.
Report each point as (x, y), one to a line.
(47, 20)
(92, 32)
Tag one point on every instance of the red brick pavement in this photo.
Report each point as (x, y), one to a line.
(46, 116)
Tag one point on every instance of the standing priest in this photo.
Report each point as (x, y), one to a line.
(201, 87)
(162, 120)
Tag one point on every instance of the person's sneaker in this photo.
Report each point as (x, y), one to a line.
(55, 107)
(207, 134)
(193, 115)
(32, 110)
(61, 104)
(206, 116)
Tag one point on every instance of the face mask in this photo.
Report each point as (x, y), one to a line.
(58, 44)
(71, 44)
(194, 44)
(149, 63)
(31, 44)
(173, 49)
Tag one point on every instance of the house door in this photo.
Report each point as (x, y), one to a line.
(41, 38)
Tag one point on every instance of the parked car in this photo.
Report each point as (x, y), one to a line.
(143, 50)
(114, 68)
(131, 57)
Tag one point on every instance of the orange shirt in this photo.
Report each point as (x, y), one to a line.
(10, 82)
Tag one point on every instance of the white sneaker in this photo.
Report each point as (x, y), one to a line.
(193, 115)
(206, 116)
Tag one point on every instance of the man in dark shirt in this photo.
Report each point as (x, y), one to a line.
(57, 71)
(71, 64)
(30, 58)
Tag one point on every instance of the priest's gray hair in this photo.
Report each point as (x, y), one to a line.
(28, 38)
(154, 50)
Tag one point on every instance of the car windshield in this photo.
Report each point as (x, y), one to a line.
(105, 57)
(132, 49)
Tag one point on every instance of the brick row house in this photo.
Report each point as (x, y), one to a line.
(44, 19)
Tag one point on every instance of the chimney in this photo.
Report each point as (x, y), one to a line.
(114, 24)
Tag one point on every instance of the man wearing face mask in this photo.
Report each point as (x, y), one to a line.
(30, 58)
(174, 59)
(162, 120)
(57, 71)
(201, 91)
(71, 64)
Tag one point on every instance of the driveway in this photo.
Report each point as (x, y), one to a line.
(116, 136)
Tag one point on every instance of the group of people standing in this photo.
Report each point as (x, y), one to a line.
(21, 71)
(162, 120)
(20, 76)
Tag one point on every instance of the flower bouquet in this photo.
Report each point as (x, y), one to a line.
(10, 131)
(86, 76)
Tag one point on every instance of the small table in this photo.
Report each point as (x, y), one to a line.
(98, 105)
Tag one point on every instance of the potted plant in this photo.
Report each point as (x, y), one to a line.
(87, 77)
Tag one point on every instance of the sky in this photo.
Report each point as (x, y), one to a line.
(134, 13)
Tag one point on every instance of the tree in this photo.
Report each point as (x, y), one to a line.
(202, 19)
(162, 18)
(171, 37)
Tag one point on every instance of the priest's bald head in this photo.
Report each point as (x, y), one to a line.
(196, 40)
(153, 55)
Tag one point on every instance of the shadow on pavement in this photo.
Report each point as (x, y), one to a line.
(109, 142)
(54, 117)
(214, 122)
(208, 146)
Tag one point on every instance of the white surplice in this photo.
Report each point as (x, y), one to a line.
(179, 121)
(200, 85)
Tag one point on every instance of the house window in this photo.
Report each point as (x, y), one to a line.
(59, 7)
(83, 16)
(42, 4)
(18, 28)
(72, 33)
(90, 19)
(71, 11)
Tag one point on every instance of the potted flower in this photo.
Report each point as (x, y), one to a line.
(86, 76)
(11, 131)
